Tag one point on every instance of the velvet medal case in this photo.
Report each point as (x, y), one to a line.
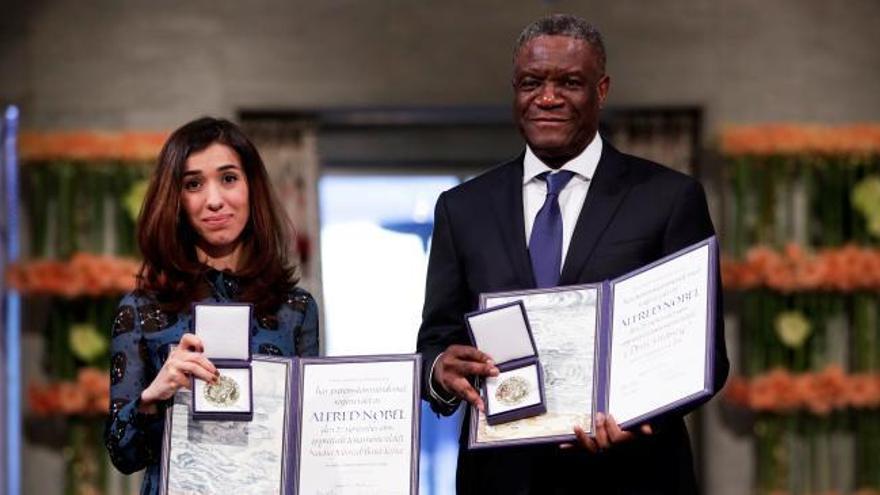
(224, 330)
(504, 333)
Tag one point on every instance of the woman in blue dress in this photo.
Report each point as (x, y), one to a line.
(210, 230)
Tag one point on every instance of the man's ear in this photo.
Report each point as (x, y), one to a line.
(602, 88)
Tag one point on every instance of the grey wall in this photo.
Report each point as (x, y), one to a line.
(155, 64)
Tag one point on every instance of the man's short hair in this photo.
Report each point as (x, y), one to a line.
(564, 25)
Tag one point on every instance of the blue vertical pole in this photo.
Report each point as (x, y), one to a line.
(13, 311)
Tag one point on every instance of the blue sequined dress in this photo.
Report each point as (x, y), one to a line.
(141, 337)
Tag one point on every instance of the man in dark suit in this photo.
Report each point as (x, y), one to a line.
(571, 209)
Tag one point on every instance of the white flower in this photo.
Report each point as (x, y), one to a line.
(86, 342)
(792, 328)
(865, 199)
(134, 198)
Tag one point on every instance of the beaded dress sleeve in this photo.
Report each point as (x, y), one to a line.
(133, 439)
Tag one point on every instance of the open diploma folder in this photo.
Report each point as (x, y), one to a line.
(341, 425)
(634, 347)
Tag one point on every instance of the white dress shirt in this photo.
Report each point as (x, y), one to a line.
(572, 196)
(571, 200)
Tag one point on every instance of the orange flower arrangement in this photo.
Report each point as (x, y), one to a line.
(737, 391)
(844, 269)
(823, 392)
(830, 492)
(797, 139)
(85, 274)
(862, 391)
(774, 391)
(89, 395)
(820, 392)
(862, 491)
(91, 145)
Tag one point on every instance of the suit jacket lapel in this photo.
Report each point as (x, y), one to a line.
(607, 190)
(507, 203)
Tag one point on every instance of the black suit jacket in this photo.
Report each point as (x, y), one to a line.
(635, 212)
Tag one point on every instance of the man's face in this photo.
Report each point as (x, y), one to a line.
(558, 90)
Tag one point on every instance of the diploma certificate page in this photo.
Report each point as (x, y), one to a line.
(564, 328)
(357, 428)
(209, 457)
(658, 337)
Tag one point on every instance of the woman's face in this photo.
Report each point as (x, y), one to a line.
(215, 198)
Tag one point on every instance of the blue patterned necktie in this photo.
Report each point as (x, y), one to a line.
(545, 243)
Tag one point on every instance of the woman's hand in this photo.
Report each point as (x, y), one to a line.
(184, 361)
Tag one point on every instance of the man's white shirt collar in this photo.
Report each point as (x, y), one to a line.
(583, 165)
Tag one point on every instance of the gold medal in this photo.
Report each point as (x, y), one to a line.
(512, 391)
(224, 393)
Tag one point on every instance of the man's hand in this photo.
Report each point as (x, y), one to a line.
(455, 367)
(608, 433)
